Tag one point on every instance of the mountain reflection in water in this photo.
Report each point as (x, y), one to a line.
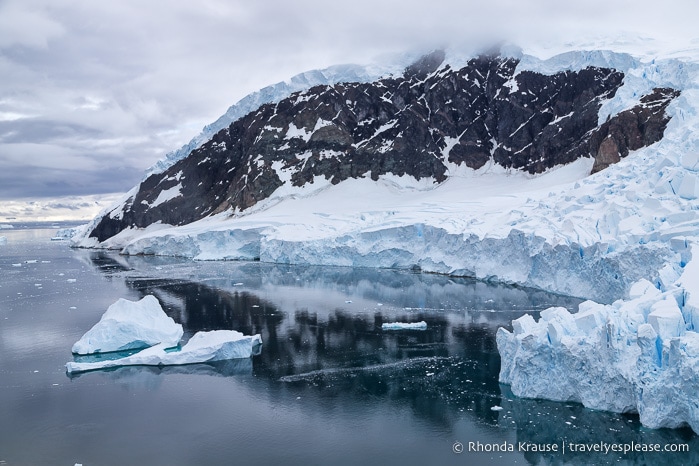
(321, 333)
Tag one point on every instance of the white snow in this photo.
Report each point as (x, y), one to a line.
(130, 325)
(216, 345)
(422, 325)
(168, 194)
(294, 132)
(635, 355)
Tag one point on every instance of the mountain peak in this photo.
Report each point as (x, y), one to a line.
(425, 65)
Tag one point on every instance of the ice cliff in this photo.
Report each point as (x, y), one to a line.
(636, 355)
(605, 230)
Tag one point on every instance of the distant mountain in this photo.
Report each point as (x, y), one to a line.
(428, 122)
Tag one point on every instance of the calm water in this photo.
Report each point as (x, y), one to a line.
(329, 387)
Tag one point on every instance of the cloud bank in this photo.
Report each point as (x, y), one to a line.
(93, 93)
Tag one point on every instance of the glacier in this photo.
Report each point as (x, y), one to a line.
(638, 355)
(624, 238)
(203, 347)
(128, 325)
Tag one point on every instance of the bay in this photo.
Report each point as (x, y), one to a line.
(329, 386)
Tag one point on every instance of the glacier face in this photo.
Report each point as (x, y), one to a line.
(636, 355)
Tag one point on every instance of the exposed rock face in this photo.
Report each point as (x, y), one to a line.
(420, 124)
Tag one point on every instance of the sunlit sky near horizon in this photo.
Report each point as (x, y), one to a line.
(93, 93)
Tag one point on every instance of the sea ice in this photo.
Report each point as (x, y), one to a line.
(216, 345)
(130, 325)
(422, 325)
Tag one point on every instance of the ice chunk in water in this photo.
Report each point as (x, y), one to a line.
(216, 345)
(404, 326)
(130, 325)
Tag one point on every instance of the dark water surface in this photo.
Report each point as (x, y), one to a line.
(329, 387)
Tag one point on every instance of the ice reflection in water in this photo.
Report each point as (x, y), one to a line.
(321, 332)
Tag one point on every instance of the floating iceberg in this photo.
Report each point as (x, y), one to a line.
(130, 325)
(217, 345)
(637, 355)
(422, 325)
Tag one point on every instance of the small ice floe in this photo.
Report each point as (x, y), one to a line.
(422, 325)
(238, 284)
(216, 345)
(3, 239)
(72, 280)
(16, 265)
(31, 261)
(349, 301)
(496, 408)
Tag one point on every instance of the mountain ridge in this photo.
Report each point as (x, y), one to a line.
(416, 124)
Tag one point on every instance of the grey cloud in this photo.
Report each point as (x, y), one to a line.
(110, 87)
(38, 130)
(54, 182)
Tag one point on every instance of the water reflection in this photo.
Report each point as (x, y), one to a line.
(321, 326)
(149, 377)
(546, 422)
(322, 336)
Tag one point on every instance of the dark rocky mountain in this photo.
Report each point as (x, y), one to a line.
(422, 123)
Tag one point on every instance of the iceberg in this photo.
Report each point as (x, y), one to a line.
(422, 325)
(128, 325)
(638, 355)
(203, 347)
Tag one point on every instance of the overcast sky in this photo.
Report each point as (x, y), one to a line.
(92, 93)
